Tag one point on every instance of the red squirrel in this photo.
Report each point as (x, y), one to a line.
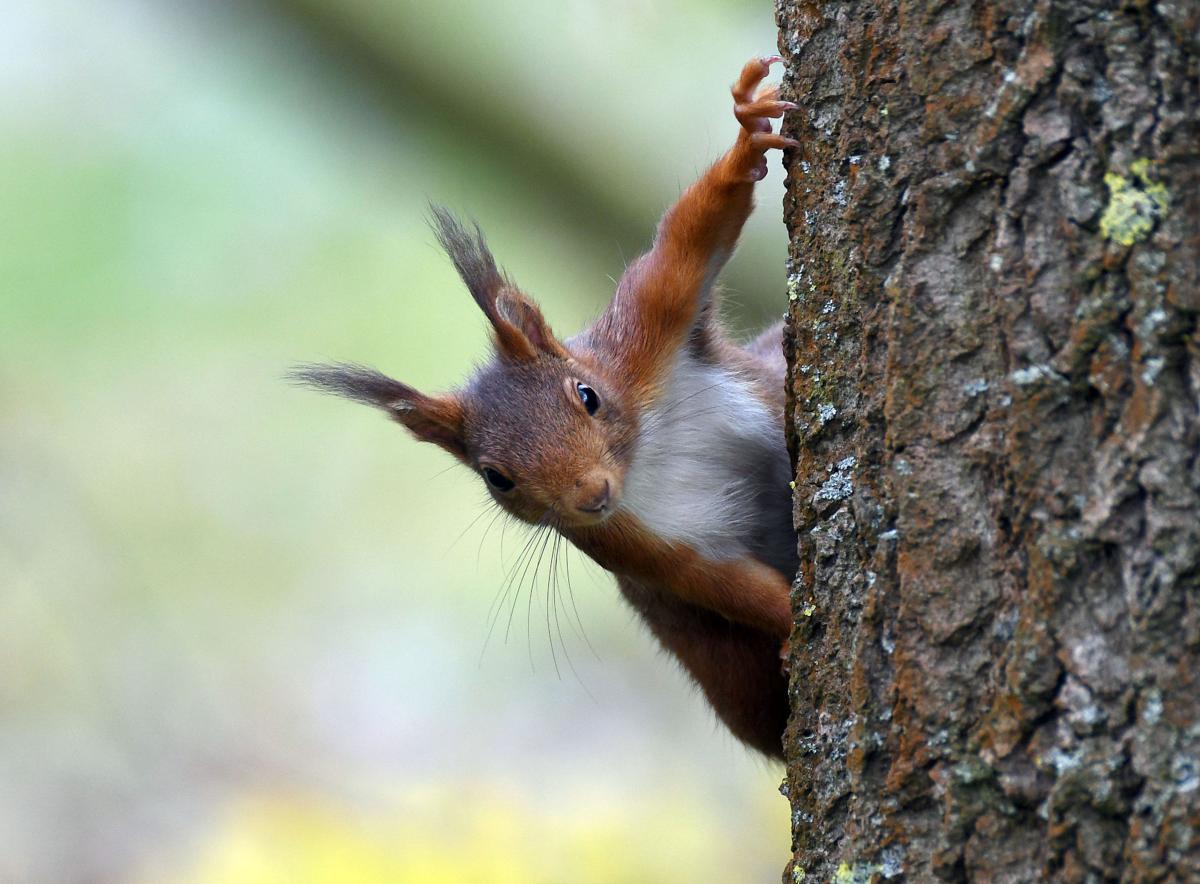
(650, 441)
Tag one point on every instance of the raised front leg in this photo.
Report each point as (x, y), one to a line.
(662, 293)
(741, 590)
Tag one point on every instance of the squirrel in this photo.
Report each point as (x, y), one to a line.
(650, 440)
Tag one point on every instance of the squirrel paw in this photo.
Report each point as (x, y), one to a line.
(754, 109)
(785, 657)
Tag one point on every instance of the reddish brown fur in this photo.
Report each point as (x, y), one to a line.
(658, 298)
(522, 416)
(741, 590)
(735, 666)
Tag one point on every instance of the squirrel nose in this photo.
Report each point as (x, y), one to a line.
(594, 493)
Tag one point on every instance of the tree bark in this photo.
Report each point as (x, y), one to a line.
(994, 413)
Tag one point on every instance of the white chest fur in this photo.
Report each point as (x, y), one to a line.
(693, 469)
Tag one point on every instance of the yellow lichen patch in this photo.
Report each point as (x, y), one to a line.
(1133, 208)
(1156, 190)
(859, 873)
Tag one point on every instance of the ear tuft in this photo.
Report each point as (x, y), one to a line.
(491, 288)
(351, 381)
(471, 256)
(431, 419)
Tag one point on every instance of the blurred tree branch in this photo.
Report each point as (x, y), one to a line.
(380, 59)
(406, 60)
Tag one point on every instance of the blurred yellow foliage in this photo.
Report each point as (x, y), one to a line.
(453, 837)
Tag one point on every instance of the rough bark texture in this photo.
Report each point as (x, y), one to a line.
(995, 419)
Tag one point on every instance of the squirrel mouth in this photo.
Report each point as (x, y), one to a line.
(590, 517)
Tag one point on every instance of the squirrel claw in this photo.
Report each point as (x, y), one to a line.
(753, 73)
(766, 140)
(754, 109)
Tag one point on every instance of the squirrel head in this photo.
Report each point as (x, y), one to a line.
(541, 422)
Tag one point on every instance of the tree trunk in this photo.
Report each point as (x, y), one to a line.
(995, 419)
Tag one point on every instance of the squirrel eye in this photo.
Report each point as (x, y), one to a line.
(498, 480)
(588, 397)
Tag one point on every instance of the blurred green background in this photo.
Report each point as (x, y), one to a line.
(239, 641)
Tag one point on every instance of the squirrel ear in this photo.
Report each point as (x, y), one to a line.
(526, 317)
(521, 332)
(430, 419)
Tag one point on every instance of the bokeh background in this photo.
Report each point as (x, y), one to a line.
(242, 626)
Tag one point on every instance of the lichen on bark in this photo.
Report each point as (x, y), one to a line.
(994, 412)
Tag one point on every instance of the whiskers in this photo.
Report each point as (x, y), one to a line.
(541, 567)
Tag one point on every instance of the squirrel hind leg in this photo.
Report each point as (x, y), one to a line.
(735, 666)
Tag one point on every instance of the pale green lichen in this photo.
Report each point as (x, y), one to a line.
(860, 873)
(793, 286)
(1133, 207)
